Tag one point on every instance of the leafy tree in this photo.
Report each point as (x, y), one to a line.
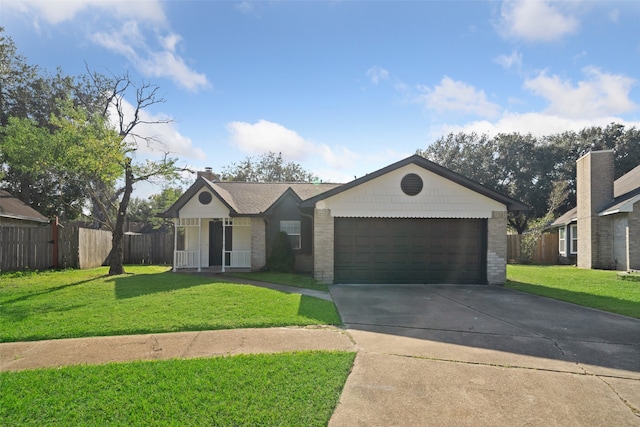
(28, 96)
(60, 130)
(269, 167)
(508, 163)
(527, 168)
(141, 210)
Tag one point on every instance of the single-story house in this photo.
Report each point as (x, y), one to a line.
(603, 230)
(15, 213)
(410, 222)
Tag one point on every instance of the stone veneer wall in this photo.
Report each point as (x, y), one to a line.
(633, 237)
(497, 248)
(323, 246)
(258, 244)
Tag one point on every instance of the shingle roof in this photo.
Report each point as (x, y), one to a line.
(248, 198)
(252, 198)
(12, 207)
(627, 182)
(566, 218)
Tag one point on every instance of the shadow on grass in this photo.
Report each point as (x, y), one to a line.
(315, 308)
(132, 286)
(602, 302)
(50, 290)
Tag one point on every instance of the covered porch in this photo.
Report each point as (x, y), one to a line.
(214, 244)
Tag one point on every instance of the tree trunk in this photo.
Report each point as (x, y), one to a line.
(116, 258)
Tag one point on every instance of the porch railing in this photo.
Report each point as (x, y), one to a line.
(239, 259)
(186, 259)
(234, 259)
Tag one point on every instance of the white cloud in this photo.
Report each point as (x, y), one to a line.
(510, 61)
(157, 61)
(456, 96)
(56, 12)
(599, 95)
(376, 74)
(538, 124)
(330, 163)
(166, 135)
(536, 20)
(265, 136)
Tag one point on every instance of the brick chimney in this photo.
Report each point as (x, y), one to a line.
(207, 173)
(594, 187)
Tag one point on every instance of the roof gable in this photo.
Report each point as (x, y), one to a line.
(421, 162)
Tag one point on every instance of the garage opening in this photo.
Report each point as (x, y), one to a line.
(410, 250)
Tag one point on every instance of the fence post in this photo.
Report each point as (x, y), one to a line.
(54, 238)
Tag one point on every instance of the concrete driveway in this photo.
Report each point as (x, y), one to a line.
(485, 355)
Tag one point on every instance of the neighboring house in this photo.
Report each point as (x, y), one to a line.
(603, 230)
(15, 213)
(411, 222)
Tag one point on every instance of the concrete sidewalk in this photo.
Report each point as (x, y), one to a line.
(99, 350)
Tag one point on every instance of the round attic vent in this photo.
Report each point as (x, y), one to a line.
(205, 197)
(411, 184)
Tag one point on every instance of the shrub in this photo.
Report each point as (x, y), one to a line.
(281, 258)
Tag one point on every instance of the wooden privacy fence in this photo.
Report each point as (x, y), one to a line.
(156, 248)
(545, 251)
(25, 248)
(33, 248)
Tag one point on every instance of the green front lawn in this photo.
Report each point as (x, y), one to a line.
(80, 303)
(599, 289)
(283, 389)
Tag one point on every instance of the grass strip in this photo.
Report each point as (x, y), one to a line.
(248, 390)
(599, 289)
(289, 279)
(81, 303)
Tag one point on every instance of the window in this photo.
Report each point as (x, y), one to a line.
(292, 228)
(205, 197)
(411, 184)
(562, 240)
(574, 238)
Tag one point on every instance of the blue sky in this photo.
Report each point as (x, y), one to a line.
(347, 87)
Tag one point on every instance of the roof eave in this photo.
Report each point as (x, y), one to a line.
(26, 218)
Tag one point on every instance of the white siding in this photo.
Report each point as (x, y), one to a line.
(382, 197)
(241, 239)
(194, 209)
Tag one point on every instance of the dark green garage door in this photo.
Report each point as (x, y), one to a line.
(379, 250)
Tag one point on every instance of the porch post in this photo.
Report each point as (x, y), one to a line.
(175, 243)
(224, 228)
(199, 245)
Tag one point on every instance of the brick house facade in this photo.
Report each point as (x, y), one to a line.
(410, 222)
(603, 231)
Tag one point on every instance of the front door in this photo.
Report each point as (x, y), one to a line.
(215, 243)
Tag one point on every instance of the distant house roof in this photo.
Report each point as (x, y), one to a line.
(626, 192)
(248, 198)
(11, 207)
